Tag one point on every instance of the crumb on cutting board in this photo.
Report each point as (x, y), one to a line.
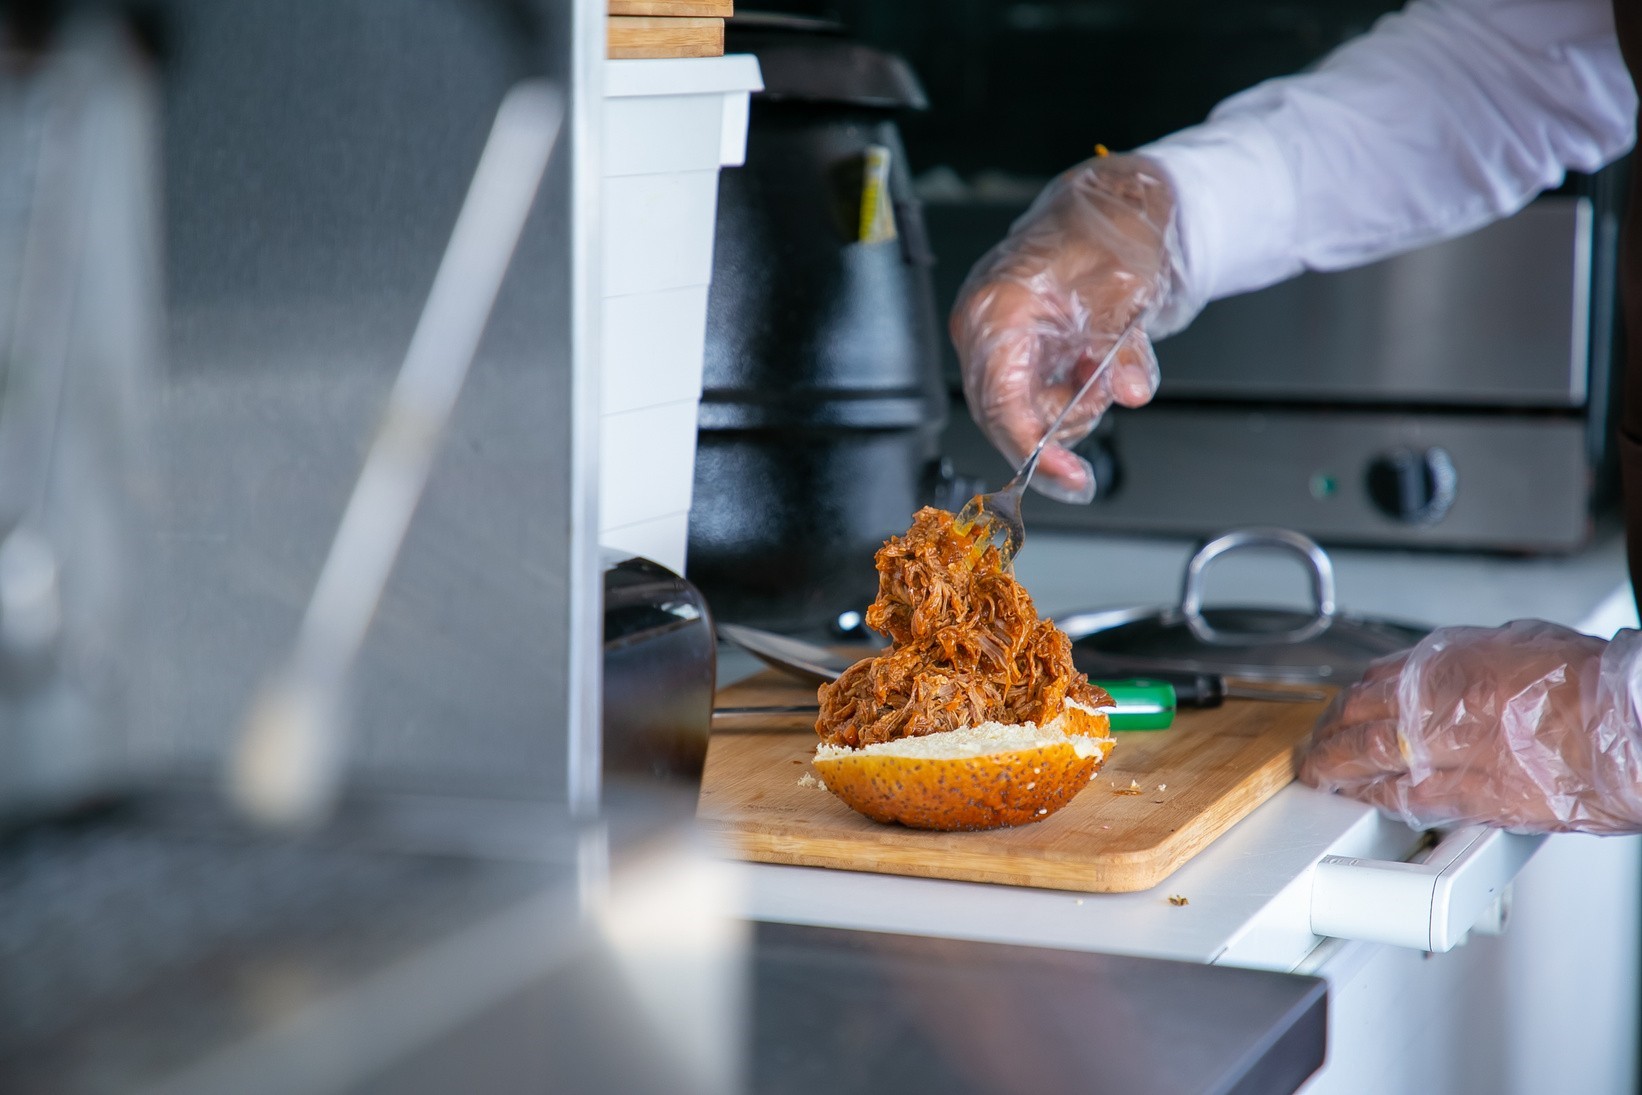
(808, 780)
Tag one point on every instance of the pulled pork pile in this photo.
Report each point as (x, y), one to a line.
(967, 646)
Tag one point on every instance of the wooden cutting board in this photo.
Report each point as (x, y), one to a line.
(1196, 779)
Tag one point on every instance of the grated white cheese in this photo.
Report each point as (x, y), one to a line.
(972, 741)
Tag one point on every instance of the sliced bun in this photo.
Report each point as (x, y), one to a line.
(981, 777)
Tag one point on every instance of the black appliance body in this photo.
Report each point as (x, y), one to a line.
(660, 668)
(822, 402)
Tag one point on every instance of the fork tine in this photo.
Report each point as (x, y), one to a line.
(1003, 506)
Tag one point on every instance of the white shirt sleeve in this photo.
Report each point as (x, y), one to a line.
(1443, 117)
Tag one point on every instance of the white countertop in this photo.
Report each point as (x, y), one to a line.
(1248, 892)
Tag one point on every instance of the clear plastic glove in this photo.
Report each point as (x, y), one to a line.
(1530, 726)
(1040, 310)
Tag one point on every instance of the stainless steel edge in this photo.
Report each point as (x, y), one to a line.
(1496, 317)
(1579, 325)
(585, 678)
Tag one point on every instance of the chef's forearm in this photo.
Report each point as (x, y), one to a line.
(1446, 115)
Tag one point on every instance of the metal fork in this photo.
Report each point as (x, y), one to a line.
(1000, 511)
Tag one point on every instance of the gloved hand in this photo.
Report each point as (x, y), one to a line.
(1530, 726)
(1039, 311)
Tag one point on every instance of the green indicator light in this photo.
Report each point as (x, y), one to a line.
(1324, 486)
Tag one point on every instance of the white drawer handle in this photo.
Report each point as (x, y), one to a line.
(1430, 905)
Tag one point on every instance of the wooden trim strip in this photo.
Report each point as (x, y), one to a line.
(704, 9)
(643, 36)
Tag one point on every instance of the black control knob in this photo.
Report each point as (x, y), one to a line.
(1097, 448)
(1415, 486)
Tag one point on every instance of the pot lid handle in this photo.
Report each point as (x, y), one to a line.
(1322, 586)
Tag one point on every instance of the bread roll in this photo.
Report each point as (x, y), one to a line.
(981, 777)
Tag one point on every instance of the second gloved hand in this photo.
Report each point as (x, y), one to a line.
(1040, 310)
(1529, 726)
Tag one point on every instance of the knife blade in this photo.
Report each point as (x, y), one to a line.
(819, 665)
(1137, 705)
(1212, 689)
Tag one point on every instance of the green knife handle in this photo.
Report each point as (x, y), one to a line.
(1141, 704)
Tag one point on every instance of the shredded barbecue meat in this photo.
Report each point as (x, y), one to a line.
(967, 646)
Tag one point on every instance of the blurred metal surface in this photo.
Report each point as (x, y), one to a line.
(316, 156)
(870, 1013)
(79, 324)
(499, 949)
(290, 761)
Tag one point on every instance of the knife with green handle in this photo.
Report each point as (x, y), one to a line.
(1141, 704)
(1137, 705)
(1136, 696)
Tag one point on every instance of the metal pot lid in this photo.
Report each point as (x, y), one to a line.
(1254, 643)
(808, 60)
